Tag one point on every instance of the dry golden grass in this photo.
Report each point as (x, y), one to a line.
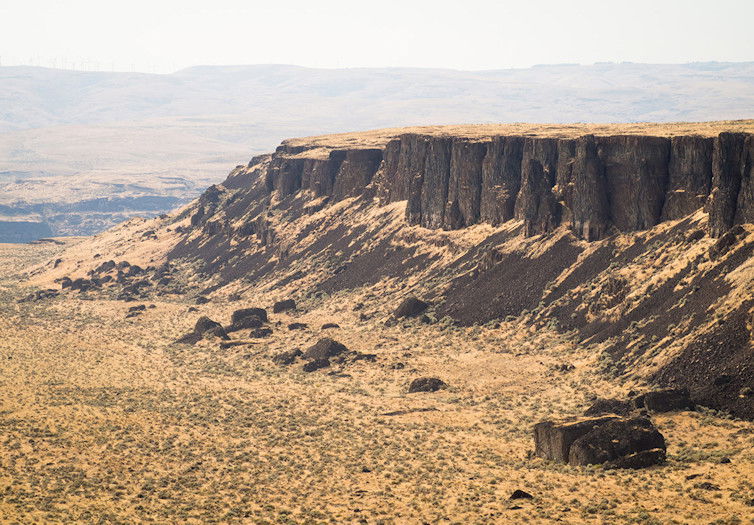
(104, 419)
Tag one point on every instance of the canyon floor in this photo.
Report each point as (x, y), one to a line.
(105, 419)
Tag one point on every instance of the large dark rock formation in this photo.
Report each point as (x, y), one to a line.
(591, 183)
(277, 217)
(621, 443)
(613, 441)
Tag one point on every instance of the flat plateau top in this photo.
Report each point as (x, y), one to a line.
(379, 137)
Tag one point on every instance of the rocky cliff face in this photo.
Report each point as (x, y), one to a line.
(328, 216)
(593, 184)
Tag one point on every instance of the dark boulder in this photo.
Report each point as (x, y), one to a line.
(669, 400)
(137, 308)
(316, 364)
(328, 326)
(325, 349)
(622, 443)
(553, 439)
(520, 494)
(616, 442)
(65, 282)
(259, 333)
(609, 406)
(201, 300)
(238, 315)
(247, 318)
(282, 306)
(287, 358)
(251, 321)
(729, 239)
(204, 326)
(135, 270)
(696, 235)
(298, 326)
(426, 384)
(81, 284)
(105, 267)
(410, 307)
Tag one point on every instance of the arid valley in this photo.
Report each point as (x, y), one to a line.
(388, 263)
(138, 386)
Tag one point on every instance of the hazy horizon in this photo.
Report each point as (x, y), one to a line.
(485, 35)
(89, 68)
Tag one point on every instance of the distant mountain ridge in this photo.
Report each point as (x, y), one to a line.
(35, 97)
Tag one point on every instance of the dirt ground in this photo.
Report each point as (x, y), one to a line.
(105, 419)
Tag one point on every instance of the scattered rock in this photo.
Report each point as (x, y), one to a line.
(706, 485)
(409, 411)
(563, 367)
(325, 349)
(282, 306)
(410, 307)
(231, 344)
(287, 358)
(138, 308)
(609, 406)
(201, 300)
(316, 364)
(520, 494)
(426, 384)
(65, 282)
(328, 326)
(193, 309)
(298, 326)
(40, 295)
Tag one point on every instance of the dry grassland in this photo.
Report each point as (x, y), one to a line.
(104, 419)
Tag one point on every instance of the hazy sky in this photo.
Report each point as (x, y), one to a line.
(166, 35)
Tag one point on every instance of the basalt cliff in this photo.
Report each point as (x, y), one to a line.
(634, 241)
(594, 185)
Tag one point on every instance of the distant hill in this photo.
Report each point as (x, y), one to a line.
(68, 136)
